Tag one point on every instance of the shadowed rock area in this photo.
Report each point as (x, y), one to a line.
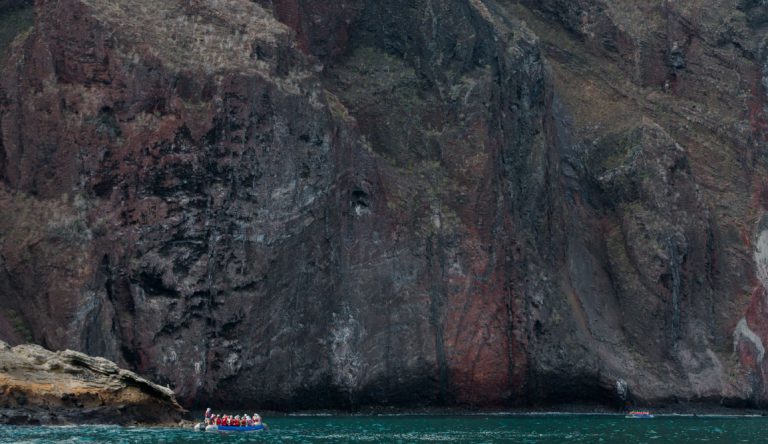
(41, 387)
(301, 204)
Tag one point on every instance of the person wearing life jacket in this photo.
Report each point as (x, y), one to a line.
(208, 413)
(248, 421)
(256, 419)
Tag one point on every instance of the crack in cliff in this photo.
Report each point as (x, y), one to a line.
(437, 294)
(674, 266)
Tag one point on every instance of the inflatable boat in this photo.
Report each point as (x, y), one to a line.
(222, 428)
(214, 428)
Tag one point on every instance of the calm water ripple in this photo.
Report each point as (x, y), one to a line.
(429, 429)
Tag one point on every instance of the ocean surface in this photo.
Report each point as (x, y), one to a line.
(551, 428)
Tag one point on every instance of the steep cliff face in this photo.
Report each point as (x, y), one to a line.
(663, 109)
(220, 224)
(298, 204)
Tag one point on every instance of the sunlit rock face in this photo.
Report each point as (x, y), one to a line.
(301, 204)
(68, 387)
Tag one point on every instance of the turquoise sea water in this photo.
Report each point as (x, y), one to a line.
(430, 429)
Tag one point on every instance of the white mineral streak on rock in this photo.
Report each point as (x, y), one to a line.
(170, 356)
(742, 330)
(361, 210)
(761, 258)
(233, 362)
(346, 361)
(436, 220)
(622, 389)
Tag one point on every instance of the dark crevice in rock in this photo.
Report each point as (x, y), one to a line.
(152, 284)
(437, 295)
(675, 287)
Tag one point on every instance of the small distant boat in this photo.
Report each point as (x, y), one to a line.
(214, 428)
(221, 428)
(639, 414)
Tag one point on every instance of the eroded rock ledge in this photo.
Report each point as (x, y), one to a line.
(38, 386)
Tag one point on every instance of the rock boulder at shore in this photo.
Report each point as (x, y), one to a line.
(38, 386)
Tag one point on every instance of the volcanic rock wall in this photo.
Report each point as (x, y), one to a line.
(302, 204)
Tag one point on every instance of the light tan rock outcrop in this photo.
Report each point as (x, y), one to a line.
(40, 386)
